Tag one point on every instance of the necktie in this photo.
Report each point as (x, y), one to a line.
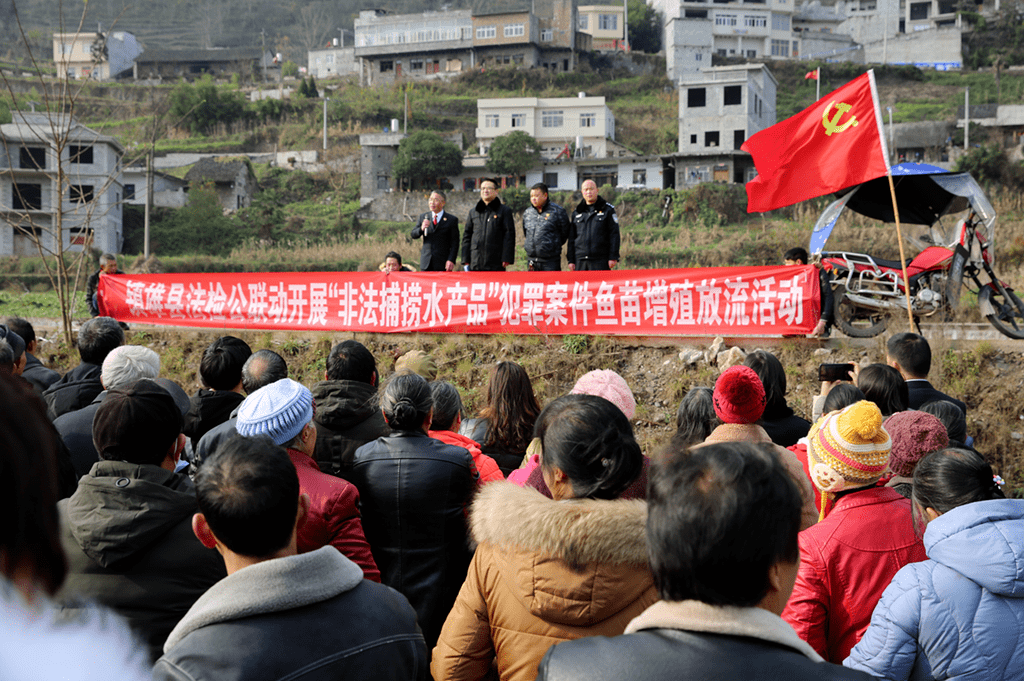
(435, 219)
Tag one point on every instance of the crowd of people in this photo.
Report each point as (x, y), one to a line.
(365, 528)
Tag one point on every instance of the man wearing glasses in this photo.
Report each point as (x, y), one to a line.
(489, 242)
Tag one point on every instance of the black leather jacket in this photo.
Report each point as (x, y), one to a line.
(676, 655)
(414, 492)
(489, 238)
(545, 231)
(594, 232)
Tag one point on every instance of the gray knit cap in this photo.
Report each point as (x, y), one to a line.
(280, 411)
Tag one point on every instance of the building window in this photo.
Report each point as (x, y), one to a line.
(738, 138)
(415, 64)
(732, 95)
(696, 14)
(469, 184)
(696, 97)
(485, 32)
(80, 153)
(698, 57)
(80, 193)
(27, 196)
(547, 35)
(780, 48)
(490, 120)
(515, 31)
(753, 21)
(796, 51)
(32, 158)
(588, 120)
(640, 176)
(551, 180)
(518, 58)
(711, 139)
(387, 65)
(751, 54)
(608, 22)
(382, 183)
(780, 22)
(693, 139)
(66, 48)
(725, 19)
(518, 120)
(551, 119)
(129, 192)
(722, 53)
(583, 22)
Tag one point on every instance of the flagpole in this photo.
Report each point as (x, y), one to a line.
(903, 258)
(817, 85)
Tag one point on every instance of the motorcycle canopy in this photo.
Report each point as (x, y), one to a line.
(924, 193)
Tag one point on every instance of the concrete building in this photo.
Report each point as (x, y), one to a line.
(34, 199)
(168, 191)
(332, 62)
(754, 29)
(689, 44)
(606, 24)
(218, 62)
(718, 111)
(231, 177)
(585, 122)
(443, 44)
(378, 155)
(94, 55)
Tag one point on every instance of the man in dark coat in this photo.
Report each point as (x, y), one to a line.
(80, 386)
(347, 414)
(910, 354)
(545, 228)
(489, 241)
(127, 530)
(35, 373)
(279, 614)
(221, 373)
(593, 232)
(108, 265)
(440, 233)
(722, 529)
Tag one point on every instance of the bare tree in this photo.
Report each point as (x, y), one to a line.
(56, 202)
(315, 27)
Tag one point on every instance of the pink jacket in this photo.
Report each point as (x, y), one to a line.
(485, 465)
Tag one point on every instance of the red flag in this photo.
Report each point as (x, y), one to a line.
(811, 75)
(835, 143)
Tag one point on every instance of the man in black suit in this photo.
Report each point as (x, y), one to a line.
(440, 233)
(911, 355)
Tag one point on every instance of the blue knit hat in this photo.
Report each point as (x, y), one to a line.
(280, 411)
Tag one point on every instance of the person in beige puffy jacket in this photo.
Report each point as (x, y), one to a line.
(552, 570)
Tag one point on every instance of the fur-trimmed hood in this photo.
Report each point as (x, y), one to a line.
(571, 562)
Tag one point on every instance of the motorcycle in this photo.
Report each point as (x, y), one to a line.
(869, 290)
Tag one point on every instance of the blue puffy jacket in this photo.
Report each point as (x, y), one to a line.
(960, 614)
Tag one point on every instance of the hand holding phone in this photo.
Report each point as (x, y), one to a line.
(834, 372)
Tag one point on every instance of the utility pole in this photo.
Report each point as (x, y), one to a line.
(149, 200)
(625, 24)
(263, 54)
(967, 116)
(405, 126)
(326, 99)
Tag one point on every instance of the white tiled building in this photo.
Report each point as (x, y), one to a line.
(33, 198)
(585, 122)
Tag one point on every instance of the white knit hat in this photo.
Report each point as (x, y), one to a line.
(280, 411)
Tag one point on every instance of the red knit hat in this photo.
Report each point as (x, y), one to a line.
(914, 434)
(739, 395)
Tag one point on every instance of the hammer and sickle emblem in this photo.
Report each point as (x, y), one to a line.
(833, 125)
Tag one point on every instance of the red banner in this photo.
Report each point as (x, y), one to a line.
(678, 302)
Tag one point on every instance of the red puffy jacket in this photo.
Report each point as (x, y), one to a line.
(846, 561)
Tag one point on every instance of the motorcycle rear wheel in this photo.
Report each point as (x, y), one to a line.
(1009, 316)
(855, 321)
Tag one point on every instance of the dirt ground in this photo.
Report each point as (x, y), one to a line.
(987, 375)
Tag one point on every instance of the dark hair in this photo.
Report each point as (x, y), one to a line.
(22, 327)
(592, 442)
(261, 369)
(719, 517)
(6, 356)
(951, 416)
(695, 418)
(541, 186)
(249, 492)
(769, 369)
(393, 254)
(510, 407)
(911, 352)
(97, 337)
(137, 424)
(30, 535)
(223, 359)
(406, 401)
(492, 180)
(841, 396)
(949, 478)
(797, 253)
(351, 361)
(883, 385)
(447, 405)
